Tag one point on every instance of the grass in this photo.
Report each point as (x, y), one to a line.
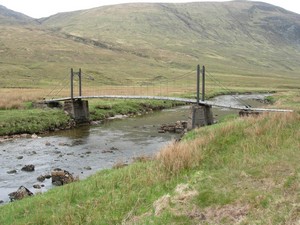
(102, 109)
(245, 170)
(160, 40)
(14, 98)
(32, 121)
(289, 99)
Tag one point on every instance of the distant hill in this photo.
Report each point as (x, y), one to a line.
(226, 22)
(236, 38)
(8, 16)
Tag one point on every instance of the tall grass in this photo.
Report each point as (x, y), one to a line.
(179, 156)
(15, 98)
(191, 152)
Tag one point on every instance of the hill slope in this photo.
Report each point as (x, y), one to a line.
(240, 38)
(8, 16)
(258, 34)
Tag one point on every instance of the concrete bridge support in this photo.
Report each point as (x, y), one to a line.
(78, 110)
(201, 115)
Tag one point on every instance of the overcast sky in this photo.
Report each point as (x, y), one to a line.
(44, 8)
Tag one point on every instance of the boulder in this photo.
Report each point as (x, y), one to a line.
(28, 168)
(21, 193)
(61, 177)
(34, 136)
(178, 127)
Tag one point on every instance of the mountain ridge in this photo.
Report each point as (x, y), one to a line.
(250, 39)
(8, 16)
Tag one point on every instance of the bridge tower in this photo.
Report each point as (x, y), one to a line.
(77, 108)
(201, 114)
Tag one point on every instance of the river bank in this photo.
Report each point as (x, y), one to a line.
(22, 123)
(242, 170)
(83, 150)
(16, 123)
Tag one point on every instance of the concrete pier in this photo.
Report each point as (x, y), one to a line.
(200, 115)
(78, 110)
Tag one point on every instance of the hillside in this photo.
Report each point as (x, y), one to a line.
(222, 23)
(8, 16)
(32, 56)
(237, 34)
(242, 39)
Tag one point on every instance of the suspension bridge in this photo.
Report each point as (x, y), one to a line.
(191, 87)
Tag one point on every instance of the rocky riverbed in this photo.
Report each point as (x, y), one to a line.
(26, 160)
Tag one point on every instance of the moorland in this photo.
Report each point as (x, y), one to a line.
(242, 170)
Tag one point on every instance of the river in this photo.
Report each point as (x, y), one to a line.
(88, 149)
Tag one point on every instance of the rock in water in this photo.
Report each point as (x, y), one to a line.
(87, 168)
(21, 193)
(178, 127)
(41, 178)
(28, 168)
(34, 136)
(61, 177)
(37, 186)
(11, 171)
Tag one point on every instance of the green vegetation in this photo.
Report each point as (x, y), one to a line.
(103, 109)
(248, 46)
(244, 169)
(42, 120)
(32, 121)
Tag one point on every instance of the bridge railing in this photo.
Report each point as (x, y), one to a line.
(93, 85)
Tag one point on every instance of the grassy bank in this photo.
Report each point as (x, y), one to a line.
(31, 121)
(18, 121)
(244, 170)
(102, 109)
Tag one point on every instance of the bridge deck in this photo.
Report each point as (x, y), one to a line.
(194, 101)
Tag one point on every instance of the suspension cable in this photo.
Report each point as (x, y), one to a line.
(216, 81)
(57, 93)
(178, 77)
(55, 87)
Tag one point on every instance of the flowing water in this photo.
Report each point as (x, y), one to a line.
(87, 149)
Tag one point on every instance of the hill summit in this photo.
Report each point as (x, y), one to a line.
(8, 16)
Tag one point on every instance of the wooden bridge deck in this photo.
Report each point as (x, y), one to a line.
(186, 100)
